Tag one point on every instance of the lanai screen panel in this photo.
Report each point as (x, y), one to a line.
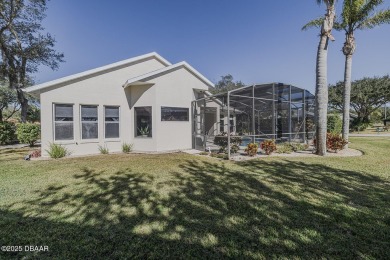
(209, 120)
(268, 111)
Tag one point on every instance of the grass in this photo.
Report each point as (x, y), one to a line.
(182, 206)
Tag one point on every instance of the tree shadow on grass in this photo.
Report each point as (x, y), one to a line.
(205, 209)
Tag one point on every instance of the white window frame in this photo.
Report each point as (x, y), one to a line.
(136, 125)
(94, 140)
(54, 123)
(161, 114)
(111, 122)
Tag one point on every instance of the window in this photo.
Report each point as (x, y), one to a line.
(111, 118)
(143, 121)
(222, 123)
(63, 122)
(231, 123)
(89, 122)
(174, 114)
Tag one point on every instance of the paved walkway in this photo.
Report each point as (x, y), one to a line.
(13, 146)
(16, 146)
(370, 135)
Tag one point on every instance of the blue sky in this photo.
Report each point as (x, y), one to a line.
(255, 41)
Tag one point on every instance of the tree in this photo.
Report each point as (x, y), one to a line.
(321, 92)
(226, 83)
(367, 96)
(8, 99)
(24, 46)
(356, 15)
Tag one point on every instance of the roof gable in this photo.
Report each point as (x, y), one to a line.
(157, 73)
(97, 71)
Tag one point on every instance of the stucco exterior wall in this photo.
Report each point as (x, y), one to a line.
(175, 89)
(171, 89)
(143, 96)
(102, 90)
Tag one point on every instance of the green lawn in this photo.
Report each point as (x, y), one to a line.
(183, 206)
(372, 130)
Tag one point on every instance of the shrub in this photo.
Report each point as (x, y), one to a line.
(335, 124)
(291, 147)
(268, 146)
(284, 148)
(296, 147)
(335, 142)
(7, 132)
(220, 156)
(222, 141)
(234, 148)
(57, 151)
(103, 149)
(127, 148)
(358, 125)
(28, 133)
(35, 153)
(251, 149)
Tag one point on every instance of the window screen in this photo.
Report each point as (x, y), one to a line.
(63, 122)
(174, 114)
(143, 121)
(89, 122)
(111, 117)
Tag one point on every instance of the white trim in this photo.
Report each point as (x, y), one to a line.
(54, 124)
(154, 74)
(111, 122)
(102, 69)
(136, 126)
(88, 140)
(182, 121)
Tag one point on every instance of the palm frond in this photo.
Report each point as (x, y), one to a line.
(351, 10)
(367, 9)
(316, 23)
(382, 17)
(339, 26)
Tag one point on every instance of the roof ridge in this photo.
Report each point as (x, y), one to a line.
(97, 70)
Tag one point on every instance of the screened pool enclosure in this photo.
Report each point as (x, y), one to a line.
(255, 113)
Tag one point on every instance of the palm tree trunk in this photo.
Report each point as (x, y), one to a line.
(347, 97)
(348, 50)
(321, 95)
(322, 78)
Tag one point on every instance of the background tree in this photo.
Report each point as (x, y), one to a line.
(321, 91)
(367, 96)
(24, 46)
(356, 15)
(8, 101)
(226, 83)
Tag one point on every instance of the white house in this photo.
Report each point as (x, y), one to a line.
(144, 100)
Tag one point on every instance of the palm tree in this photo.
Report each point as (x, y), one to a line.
(321, 92)
(356, 15)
